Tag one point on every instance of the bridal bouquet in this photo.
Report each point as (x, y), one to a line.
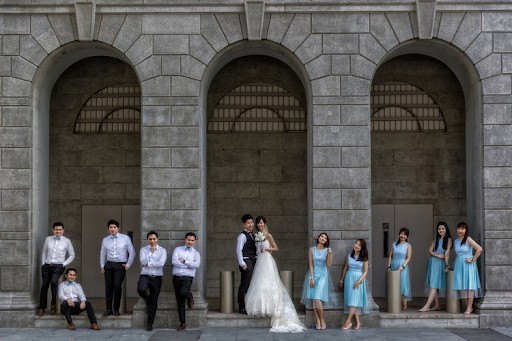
(259, 238)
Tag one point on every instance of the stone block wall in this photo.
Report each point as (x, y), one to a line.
(261, 174)
(336, 49)
(89, 169)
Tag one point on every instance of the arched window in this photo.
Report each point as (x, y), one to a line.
(402, 107)
(258, 107)
(115, 109)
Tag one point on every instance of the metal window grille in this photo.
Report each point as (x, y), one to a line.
(115, 109)
(258, 108)
(398, 107)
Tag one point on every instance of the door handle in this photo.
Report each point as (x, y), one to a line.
(385, 244)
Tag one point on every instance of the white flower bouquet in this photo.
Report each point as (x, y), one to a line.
(259, 239)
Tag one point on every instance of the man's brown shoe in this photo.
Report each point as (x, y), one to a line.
(94, 326)
(40, 312)
(71, 326)
(191, 301)
(181, 327)
(53, 310)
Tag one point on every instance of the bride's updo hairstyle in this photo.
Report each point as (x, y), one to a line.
(326, 236)
(261, 218)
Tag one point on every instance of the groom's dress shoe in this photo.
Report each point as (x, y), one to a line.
(243, 311)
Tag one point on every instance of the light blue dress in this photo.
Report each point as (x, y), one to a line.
(435, 276)
(323, 289)
(356, 297)
(465, 275)
(399, 256)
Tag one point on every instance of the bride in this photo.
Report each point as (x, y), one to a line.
(267, 295)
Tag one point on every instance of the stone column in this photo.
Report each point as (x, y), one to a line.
(496, 307)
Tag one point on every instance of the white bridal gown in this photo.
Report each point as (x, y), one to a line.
(267, 296)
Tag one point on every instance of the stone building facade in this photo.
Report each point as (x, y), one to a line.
(324, 175)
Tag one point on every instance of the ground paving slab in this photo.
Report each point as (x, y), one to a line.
(256, 334)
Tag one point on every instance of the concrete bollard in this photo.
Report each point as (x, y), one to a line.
(452, 296)
(227, 293)
(287, 279)
(393, 292)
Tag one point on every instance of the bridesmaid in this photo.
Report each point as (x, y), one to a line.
(398, 259)
(317, 289)
(355, 291)
(438, 266)
(465, 277)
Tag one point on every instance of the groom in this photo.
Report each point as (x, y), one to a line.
(246, 254)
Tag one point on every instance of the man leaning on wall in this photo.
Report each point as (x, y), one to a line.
(54, 264)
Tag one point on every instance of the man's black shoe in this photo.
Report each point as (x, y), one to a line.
(116, 313)
(149, 328)
(107, 312)
(243, 311)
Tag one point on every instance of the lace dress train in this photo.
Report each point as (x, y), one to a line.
(267, 296)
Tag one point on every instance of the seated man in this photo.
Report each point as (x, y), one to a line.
(73, 300)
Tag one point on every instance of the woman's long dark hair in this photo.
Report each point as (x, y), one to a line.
(464, 225)
(363, 254)
(404, 230)
(446, 236)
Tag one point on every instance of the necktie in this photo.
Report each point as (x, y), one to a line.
(113, 237)
(189, 249)
(71, 283)
(56, 238)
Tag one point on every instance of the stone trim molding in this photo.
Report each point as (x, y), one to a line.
(85, 18)
(291, 7)
(254, 11)
(426, 13)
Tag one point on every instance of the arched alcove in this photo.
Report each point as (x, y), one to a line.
(62, 85)
(270, 166)
(440, 169)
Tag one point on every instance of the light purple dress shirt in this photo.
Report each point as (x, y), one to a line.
(192, 261)
(54, 251)
(118, 249)
(73, 291)
(153, 262)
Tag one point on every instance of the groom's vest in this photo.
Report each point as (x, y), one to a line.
(249, 249)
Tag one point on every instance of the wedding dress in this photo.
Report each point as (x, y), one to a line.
(267, 296)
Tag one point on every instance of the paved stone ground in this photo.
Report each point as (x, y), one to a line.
(259, 334)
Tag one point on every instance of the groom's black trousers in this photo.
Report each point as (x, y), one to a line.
(245, 280)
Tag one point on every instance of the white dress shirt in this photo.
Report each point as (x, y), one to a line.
(71, 290)
(240, 241)
(192, 261)
(54, 251)
(153, 261)
(118, 249)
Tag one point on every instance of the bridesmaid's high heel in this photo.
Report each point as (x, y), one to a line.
(349, 327)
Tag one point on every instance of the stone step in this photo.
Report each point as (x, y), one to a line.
(216, 319)
(433, 319)
(82, 321)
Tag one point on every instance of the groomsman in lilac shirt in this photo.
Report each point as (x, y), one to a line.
(54, 264)
(74, 301)
(152, 258)
(116, 257)
(185, 260)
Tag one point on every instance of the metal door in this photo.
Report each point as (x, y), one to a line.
(387, 220)
(94, 229)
